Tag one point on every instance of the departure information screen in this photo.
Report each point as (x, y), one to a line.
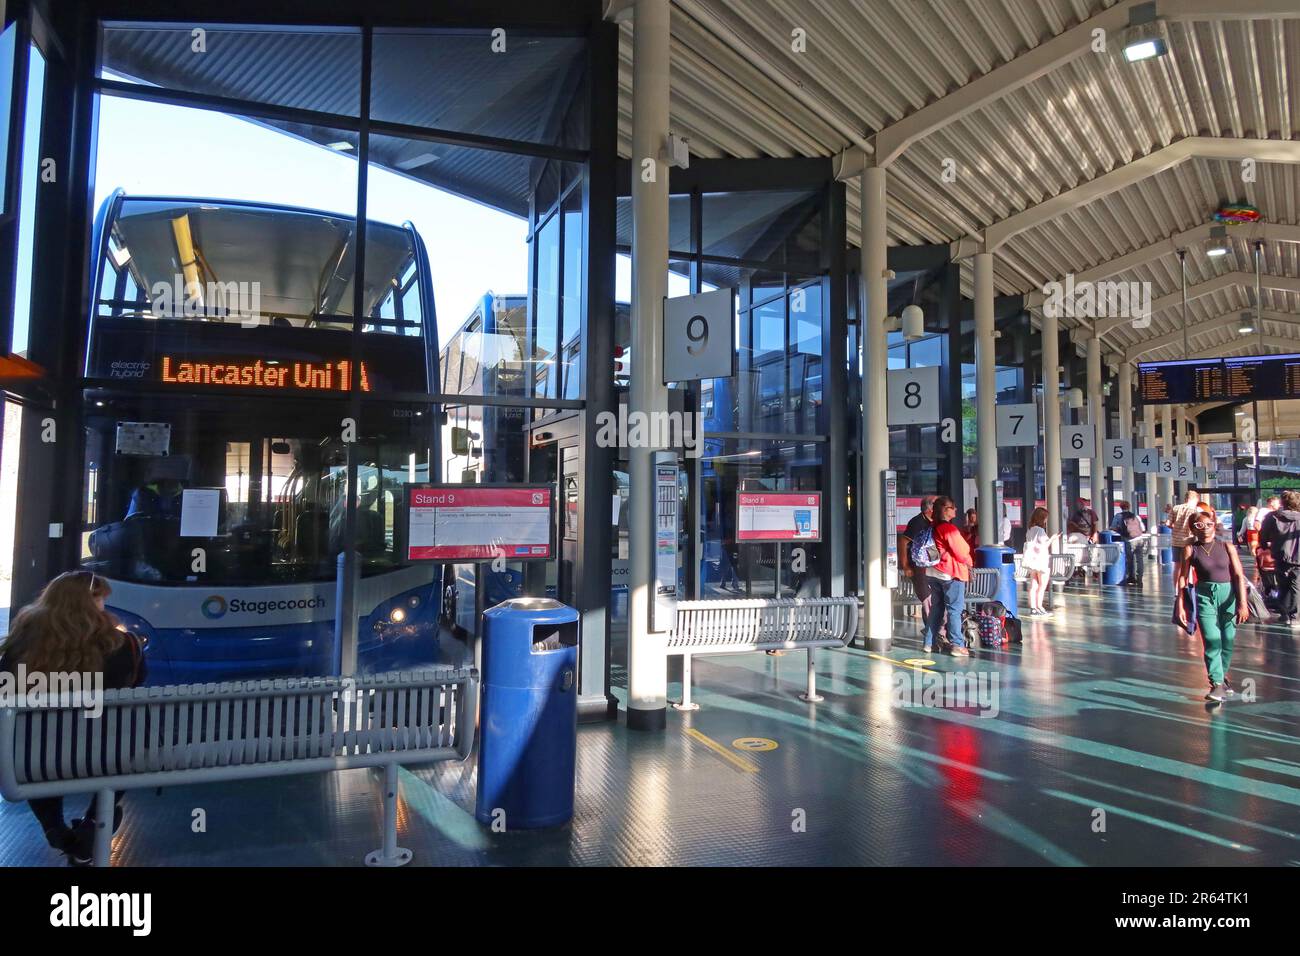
(1252, 377)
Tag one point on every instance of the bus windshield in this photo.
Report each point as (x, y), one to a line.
(255, 265)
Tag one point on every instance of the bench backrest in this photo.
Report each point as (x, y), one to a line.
(764, 622)
(155, 736)
(983, 585)
(1062, 568)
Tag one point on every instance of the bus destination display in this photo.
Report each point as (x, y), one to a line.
(1247, 378)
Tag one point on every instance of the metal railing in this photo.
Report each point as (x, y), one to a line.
(205, 733)
(730, 627)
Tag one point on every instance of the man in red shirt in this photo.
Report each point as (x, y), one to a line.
(948, 578)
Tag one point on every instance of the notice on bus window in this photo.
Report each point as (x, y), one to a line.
(200, 512)
(478, 523)
(778, 516)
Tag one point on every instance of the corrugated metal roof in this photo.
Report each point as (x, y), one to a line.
(871, 62)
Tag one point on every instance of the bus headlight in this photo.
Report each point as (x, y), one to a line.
(397, 616)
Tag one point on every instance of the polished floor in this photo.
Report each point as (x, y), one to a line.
(1091, 745)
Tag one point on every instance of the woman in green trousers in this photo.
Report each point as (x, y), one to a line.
(1220, 599)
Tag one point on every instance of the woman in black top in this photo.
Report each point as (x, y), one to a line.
(1220, 599)
(66, 629)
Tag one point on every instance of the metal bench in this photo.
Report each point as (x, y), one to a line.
(733, 627)
(1061, 568)
(983, 585)
(205, 733)
(905, 593)
(905, 597)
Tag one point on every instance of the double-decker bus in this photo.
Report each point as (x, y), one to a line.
(217, 435)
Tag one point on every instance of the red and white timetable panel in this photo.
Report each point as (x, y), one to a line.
(478, 524)
(778, 516)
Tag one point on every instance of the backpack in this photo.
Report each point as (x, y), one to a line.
(1014, 633)
(991, 620)
(1285, 542)
(924, 553)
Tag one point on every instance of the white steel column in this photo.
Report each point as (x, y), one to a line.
(1126, 427)
(647, 660)
(877, 609)
(1180, 429)
(1052, 422)
(1155, 507)
(1096, 418)
(1167, 450)
(986, 427)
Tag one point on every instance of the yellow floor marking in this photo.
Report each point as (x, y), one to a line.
(890, 660)
(740, 763)
(754, 744)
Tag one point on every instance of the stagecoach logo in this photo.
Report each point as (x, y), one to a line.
(214, 607)
(537, 497)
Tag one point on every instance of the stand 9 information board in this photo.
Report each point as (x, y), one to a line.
(479, 522)
(778, 516)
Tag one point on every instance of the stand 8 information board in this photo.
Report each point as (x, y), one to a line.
(778, 516)
(1246, 378)
(479, 522)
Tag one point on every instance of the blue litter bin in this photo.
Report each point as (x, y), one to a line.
(528, 734)
(1004, 559)
(1167, 553)
(1114, 572)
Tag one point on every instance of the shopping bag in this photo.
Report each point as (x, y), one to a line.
(1259, 612)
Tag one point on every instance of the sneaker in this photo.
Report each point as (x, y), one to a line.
(928, 648)
(1227, 690)
(955, 651)
(1215, 694)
